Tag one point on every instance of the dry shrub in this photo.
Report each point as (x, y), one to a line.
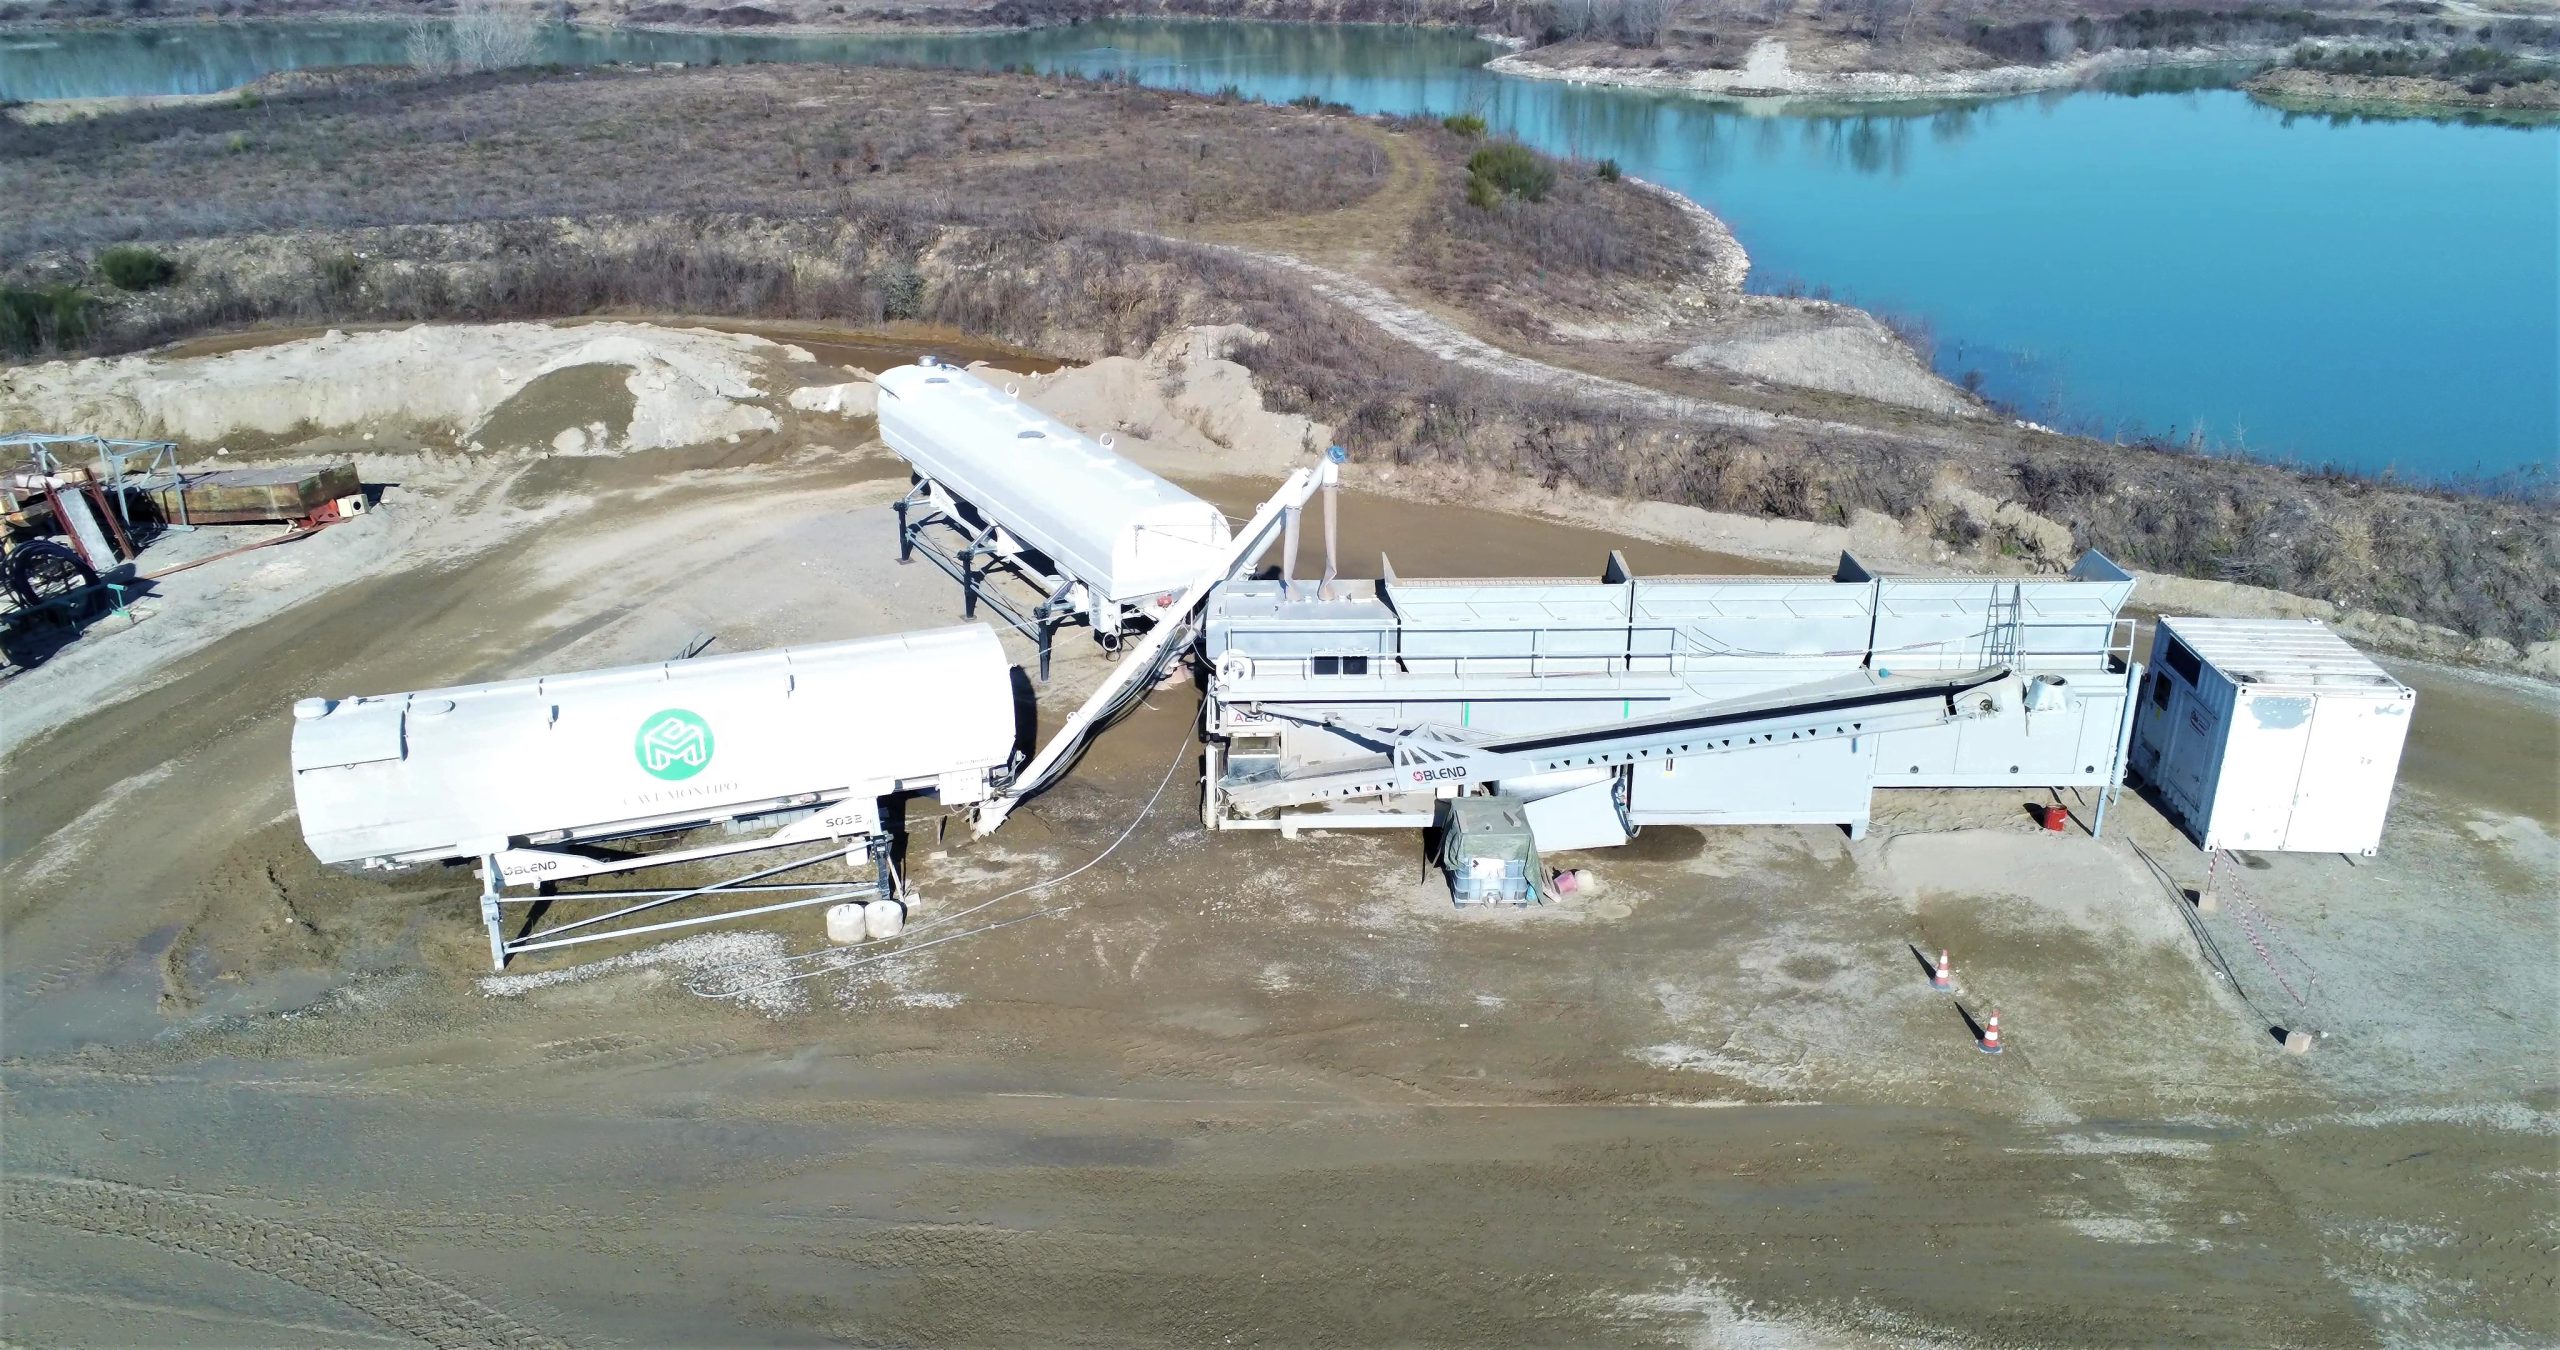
(482, 35)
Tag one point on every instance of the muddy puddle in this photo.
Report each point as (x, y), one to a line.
(1439, 540)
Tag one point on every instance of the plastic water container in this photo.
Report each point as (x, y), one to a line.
(884, 919)
(845, 923)
(1485, 881)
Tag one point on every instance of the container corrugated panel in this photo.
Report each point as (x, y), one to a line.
(2271, 735)
(465, 771)
(1124, 532)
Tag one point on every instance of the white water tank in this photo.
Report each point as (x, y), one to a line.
(468, 771)
(2270, 735)
(1124, 532)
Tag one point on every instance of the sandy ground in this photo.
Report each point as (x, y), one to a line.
(1220, 1088)
(1824, 346)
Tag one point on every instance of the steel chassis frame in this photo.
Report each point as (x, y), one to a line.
(980, 556)
(160, 467)
(886, 884)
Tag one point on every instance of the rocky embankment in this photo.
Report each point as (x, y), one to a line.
(2295, 88)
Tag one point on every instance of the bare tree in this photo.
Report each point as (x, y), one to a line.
(492, 34)
(483, 35)
(1640, 22)
(428, 46)
(1632, 23)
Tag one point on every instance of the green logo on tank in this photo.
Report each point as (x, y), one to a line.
(673, 744)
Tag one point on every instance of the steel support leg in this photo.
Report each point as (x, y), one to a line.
(906, 535)
(490, 884)
(882, 872)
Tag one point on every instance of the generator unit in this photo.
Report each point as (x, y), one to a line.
(528, 778)
(1003, 490)
(2271, 735)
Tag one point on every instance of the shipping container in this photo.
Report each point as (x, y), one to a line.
(2270, 735)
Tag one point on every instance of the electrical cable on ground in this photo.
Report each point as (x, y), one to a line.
(297, 532)
(2204, 938)
(906, 948)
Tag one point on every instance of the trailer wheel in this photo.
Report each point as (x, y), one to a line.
(41, 569)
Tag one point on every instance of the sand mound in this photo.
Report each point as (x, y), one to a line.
(1823, 346)
(1186, 397)
(573, 408)
(685, 386)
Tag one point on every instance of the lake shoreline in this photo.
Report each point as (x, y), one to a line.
(1767, 79)
(1767, 74)
(2049, 368)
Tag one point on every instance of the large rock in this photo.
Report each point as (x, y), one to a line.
(858, 398)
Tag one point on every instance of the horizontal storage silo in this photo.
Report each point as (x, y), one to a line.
(1122, 534)
(475, 770)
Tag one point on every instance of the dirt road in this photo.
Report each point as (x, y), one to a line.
(1235, 1089)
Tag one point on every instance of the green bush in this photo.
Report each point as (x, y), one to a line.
(36, 319)
(131, 267)
(1464, 124)
(901, 292)
(1511, 170)
(1608, 171)
(1309, 101)
(338, 274)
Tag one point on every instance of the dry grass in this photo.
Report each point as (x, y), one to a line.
(1590, 248)
(777, 139)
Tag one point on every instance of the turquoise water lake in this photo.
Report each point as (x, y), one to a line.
(2379, 294)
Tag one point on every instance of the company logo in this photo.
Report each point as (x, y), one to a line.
(674, 744)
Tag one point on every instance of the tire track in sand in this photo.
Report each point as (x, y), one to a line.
(367, 1281)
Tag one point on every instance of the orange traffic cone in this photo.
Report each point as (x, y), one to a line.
(1945, 980)
(1991, 1035)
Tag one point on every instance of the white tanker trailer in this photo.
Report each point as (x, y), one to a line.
(1003, 486)
(526, 776)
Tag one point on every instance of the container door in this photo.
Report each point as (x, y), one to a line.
(2261, 770)
(2347, 772)
(2189, 738)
